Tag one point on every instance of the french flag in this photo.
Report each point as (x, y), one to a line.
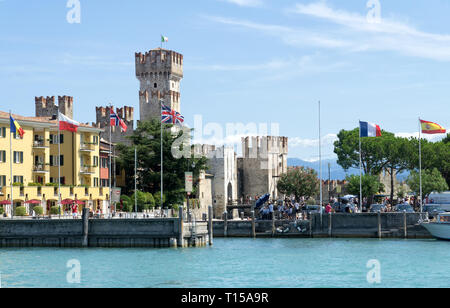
(68, 124)
(369, 129)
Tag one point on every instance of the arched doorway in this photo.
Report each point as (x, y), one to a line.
(230, 194)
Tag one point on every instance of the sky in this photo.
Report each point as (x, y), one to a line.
(245, 61)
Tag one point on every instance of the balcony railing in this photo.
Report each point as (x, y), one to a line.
(41, 168)
(40, 144)
(89, 147)
(87, 170)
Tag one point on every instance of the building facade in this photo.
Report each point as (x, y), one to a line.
(35, 162)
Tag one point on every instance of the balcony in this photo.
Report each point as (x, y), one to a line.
(40, 144)
(87, 147)
(87, 170)
(41, 168)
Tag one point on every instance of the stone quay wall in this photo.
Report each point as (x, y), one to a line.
(365, 225)
(165, 232)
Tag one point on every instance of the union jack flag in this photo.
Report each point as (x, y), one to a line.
(116, 121)
(170, 116)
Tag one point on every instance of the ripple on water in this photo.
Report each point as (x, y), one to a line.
(236, 263)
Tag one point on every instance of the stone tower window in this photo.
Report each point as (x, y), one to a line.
(155, 85)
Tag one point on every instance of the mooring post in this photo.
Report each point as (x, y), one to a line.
(379, 224)
(405, 227)
(330, 223)
(273, 224)
(253, 225)
(180, 226)
(85, 219)
(225, 224)
(210, 225)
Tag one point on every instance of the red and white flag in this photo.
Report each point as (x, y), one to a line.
(68, 124)
(116, 121)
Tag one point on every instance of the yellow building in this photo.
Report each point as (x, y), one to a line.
(35, 164)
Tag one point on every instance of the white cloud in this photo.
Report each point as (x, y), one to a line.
(327, 140)
(249, 3)
(353, 33)
(389, 35)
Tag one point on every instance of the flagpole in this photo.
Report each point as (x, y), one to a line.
(59, 166)
(420, 165)
(162, 161)
(10, 166)
(110, 153)
(360, 170)
(135, 179)
(320, 162)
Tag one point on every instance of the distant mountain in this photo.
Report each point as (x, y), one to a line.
(337, 172)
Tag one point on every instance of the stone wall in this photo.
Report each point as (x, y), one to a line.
(46, 107)
(126, 113)
(159, 72)
(101, 232)
(342, 225)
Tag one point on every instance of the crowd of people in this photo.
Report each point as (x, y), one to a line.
(289, 209)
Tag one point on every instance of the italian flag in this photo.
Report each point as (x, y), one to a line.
(68, 124)
(164, 39)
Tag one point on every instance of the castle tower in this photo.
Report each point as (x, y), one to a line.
(103, 120)
(264, 160)
(45, 106)
(159, 72)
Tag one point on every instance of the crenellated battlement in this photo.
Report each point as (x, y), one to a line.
(159, 72)
(258, 146)
(46, 107)
(126, 113)
(159, 61)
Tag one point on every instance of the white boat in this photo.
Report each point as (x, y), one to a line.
(440, 228)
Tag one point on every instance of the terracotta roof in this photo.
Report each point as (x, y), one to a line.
(5, 115)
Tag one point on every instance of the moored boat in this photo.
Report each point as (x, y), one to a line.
(440, 228)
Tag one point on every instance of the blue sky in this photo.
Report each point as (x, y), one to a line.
(245, 61)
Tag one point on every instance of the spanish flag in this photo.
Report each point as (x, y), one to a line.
(431, 128)
(15, 127)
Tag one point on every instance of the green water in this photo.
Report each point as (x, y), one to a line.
(237, 263)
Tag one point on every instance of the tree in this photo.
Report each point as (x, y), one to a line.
(157, 197)
(370, 185)
(399, 153)
(146, 139)
(373, 158)
(141, 200)
(150, 200)
(299, 182)
(432, 180)
(434, 155)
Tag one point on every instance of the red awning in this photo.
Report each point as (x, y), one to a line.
(34, 201)
(67, 202)
(5, 202)
(79, 202)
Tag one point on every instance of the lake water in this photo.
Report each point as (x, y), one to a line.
(237, 263)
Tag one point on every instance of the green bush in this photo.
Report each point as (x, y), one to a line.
(125, 198)
(38, 210)
(54, 210)
(20, 211)
(2, 210)
(312, 202)
(157, 197)
(150, 200)
(35, 184)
